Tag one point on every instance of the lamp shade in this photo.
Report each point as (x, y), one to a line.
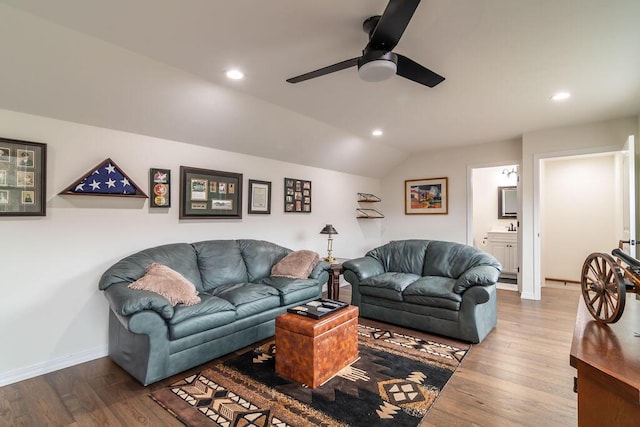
(328, 229)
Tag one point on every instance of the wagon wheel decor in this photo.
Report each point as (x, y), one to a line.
(603, 287)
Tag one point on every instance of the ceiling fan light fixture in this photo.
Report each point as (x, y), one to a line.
(377, 70)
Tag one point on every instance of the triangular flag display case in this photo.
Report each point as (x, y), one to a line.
(105, 179)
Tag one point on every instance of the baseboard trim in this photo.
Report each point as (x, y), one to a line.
(25, 373)
(565, 281)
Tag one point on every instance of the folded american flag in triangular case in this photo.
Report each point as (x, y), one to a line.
(106, 179)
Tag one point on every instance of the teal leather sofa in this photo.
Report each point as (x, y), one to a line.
(152, 340)
(440, 287)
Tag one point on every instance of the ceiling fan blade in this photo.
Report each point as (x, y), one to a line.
(411, 70)
(394, 20)
(325, 70)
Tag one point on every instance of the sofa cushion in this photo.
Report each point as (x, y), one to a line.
(449, 259)
(405, 256)
(208, 305)
(220, 263)
(260, 256)
(433, 291)
(257, 307)
(296, 265)
(197, 324)
(293, 290)
(180, 257)
(387, 285)
(242, 293)
(168, 283)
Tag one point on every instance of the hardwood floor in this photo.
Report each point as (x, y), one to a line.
(520, 375)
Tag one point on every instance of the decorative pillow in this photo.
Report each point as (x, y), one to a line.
(296, 265)
(168, 283)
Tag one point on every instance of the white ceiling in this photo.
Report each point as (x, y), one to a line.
(156, 67)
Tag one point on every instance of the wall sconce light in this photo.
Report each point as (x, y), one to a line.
(328, 229)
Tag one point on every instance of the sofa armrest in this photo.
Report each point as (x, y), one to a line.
(478, 295)
(320, 267)
(482, 275)
(363, 267)
(125, 301)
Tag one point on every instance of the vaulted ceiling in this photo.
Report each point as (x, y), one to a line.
(156, 67)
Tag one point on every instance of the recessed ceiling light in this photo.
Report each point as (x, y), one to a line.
(561, 96)
(377, 132)
(235, 74)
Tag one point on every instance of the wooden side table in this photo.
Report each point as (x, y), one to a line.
(333, 284)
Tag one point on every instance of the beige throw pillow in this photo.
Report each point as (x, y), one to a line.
(168, 283)
(296, 265)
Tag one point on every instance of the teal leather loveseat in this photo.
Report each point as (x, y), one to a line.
(152, 340)
(434, 286)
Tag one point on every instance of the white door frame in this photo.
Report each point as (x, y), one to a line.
(535, 291)
(470, 169)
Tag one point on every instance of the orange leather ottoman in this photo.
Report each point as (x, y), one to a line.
(312, 351)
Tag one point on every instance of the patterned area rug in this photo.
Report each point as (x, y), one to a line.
(394, 383)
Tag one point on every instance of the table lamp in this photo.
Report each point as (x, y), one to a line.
(328, 229)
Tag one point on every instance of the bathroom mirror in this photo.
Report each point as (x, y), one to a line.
(507, 202)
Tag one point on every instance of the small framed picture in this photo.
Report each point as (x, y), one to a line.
(160, 188)
(23, 178)
(5, 154)
(28, 198)
(25, 158)
(426, 196)
(260, 197)
(198, 189)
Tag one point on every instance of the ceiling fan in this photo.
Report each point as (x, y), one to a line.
(378, 62)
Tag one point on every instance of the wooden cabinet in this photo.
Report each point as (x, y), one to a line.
(607, 361)
(504, 246)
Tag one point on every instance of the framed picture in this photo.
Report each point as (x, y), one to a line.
(160, 188)
(426, 196)
(259, 197)
(23, 178)
(297, 195)
(210, 194)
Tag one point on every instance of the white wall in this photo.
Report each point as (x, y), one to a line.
(485, 182)
(579, 213)
(451, 163)
(571, 140)
(52, 314)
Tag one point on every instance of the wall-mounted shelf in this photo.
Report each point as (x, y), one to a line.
(368, 198)
(368, 213)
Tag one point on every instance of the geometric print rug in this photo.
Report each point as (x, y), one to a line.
(395, 382)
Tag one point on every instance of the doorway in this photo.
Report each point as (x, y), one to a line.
(616, 198)
(492, 216)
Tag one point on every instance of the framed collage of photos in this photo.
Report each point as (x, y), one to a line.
(210, 194)
(23, 178)
(297, 195)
